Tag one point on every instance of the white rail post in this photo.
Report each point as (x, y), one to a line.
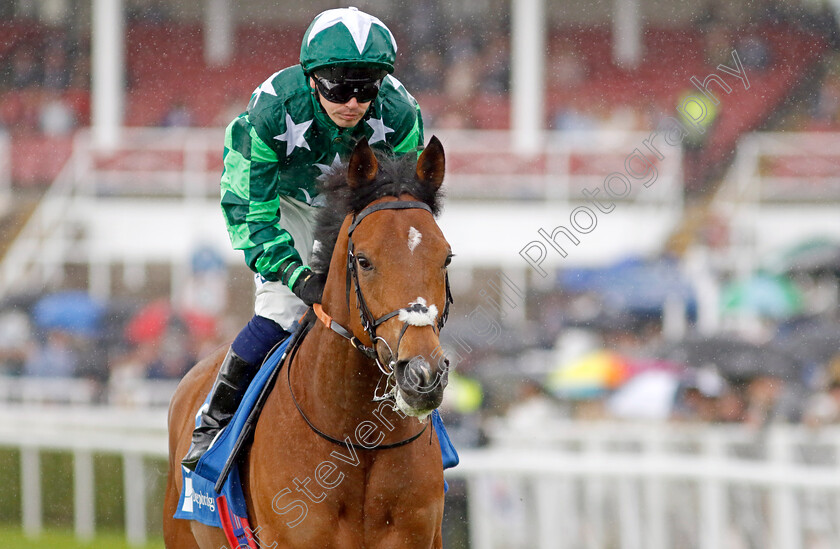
(478, 499)
(713, 503)
(628, 513)
(30, 475)
(550, 494)
(654, 496)
(83, 498)
(527, 75)
(135, 498)
(108, 61)
(594, 497)
(785, 513)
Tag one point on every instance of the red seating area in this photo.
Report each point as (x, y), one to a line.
(165, 67)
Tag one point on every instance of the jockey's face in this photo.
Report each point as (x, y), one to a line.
(345, 115)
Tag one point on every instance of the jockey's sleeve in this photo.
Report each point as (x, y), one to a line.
(405, 117)
(414, 138)
(250, 203)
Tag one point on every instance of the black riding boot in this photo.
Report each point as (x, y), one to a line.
(235, 375)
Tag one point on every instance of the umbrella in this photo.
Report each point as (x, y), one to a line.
(71, 311)
(649, 395)
(633, 285)
(815, 255)
(589, 376)
(152, 321)
(734, 359)
(813, 343)
(763, 294)
(149, 323)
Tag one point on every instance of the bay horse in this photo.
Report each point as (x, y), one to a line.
(341, 454)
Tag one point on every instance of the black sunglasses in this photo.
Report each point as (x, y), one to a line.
(343, 91)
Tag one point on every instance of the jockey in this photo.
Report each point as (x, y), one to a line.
(299, 122)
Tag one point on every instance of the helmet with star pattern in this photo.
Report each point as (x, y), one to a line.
(347, 37)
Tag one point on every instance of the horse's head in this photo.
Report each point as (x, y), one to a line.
(389, 264)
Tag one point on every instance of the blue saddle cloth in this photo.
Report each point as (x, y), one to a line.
(199, 501)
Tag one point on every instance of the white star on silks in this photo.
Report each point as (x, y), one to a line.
(357, 22)
(379, 130)
(397, 84)
(293, 136)
(266, 87)
(394, 82)
(328, 169)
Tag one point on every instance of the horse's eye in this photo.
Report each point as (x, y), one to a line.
(448, 260)
(364, 263)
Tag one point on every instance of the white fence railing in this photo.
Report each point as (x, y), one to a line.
(135, 435)
(660, 486)
(169, 178)
(781, 189)
(564, 485)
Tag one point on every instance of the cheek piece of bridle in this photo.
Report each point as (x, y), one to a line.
(370, 323)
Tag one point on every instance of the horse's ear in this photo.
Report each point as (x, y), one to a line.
(361, 170)
(432, 164)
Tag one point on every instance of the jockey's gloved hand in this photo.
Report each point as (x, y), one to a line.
(309, 287)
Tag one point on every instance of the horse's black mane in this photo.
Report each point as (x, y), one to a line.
(396, 176)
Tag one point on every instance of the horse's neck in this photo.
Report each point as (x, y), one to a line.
(335, 384)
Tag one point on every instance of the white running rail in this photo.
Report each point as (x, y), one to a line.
(563, 485)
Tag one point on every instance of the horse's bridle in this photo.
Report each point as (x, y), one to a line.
(370, 323)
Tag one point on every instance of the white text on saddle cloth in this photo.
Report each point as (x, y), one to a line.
(418, 314)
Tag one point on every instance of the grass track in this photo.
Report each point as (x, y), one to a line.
(12, 538)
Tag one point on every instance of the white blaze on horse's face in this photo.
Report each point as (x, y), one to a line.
(414, 238)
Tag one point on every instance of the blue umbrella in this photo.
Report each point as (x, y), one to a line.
(632, 285)
(71, 311)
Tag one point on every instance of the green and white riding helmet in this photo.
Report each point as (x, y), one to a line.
(346, 37)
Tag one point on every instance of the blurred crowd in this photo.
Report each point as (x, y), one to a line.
(460, 71)
(45, 83)
(458, 65)
(69, 334)
(628, 342)
(117, 343)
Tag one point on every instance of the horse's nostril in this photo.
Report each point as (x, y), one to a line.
(417, 373)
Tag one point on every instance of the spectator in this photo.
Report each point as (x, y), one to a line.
(753, 51)
(427, 75)
(828, 104)
(15, 341)
(566, 70)
(56, 73)
(25, 71)
(174, 358)
(56, 357)
(178, 116)
(532, 409)
(56, 118)
(496, 62)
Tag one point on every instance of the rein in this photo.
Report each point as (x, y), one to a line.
(369, 323)
(305, 327)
